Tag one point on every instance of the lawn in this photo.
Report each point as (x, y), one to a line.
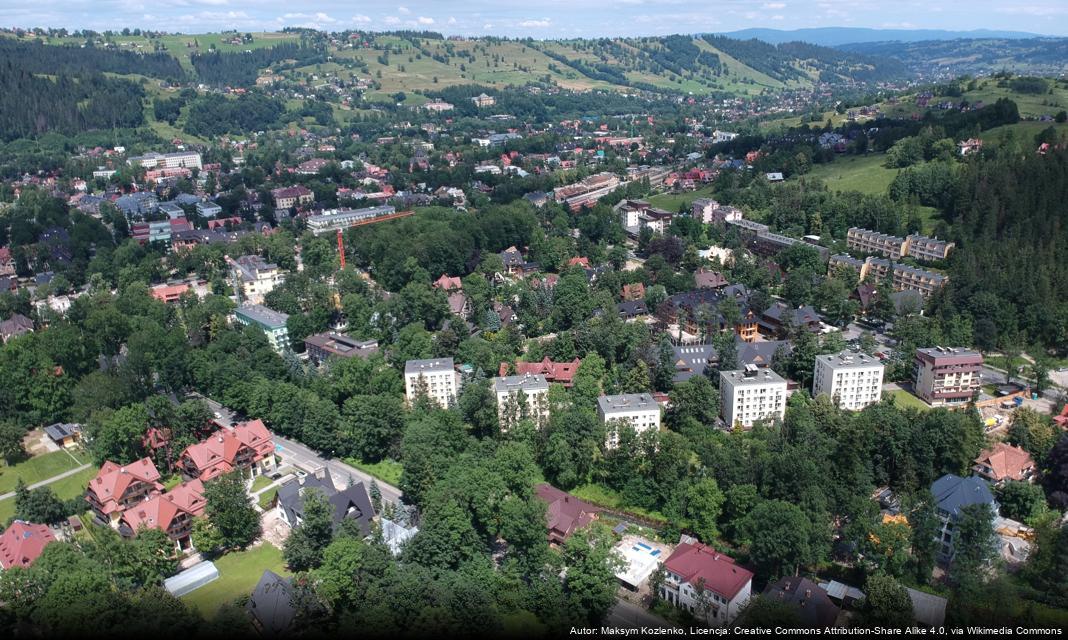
(673, 201)
(259, 483)
(36, 469)
(238, 574)
(865, 174)
(387, 471)
(906, 400)
(605, 497)
(65, 489)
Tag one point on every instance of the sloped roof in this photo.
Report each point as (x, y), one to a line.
(695, 562)
(22, 543)
(271, 604)
(1006, 462)
(952, 493)
(216, 455)
(111, 483)
(814, 607)
(566, 514)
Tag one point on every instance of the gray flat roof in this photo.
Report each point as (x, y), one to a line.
(757, 377)
(849, 360)
(528, 382)
(626, 402)
(429, 365)
(263, 315)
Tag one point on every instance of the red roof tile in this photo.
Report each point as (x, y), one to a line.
(110, 484)
(22, 543)
(695, 562)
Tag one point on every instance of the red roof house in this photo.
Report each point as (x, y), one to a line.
(694, 565)
(1005, 462)
(243, 447)
(118, 487)
(171, 512)
(561, 372)
(448, 283)
(566, 513)
(22, 543)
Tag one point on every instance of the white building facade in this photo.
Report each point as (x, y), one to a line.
(751, 394)
(436, 377)
(639, 409)
(852, 380)
(522, 397)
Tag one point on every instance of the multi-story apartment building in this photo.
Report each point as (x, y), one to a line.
(256, 276)
(951, 495)
(947, 376)
(322, 346)
(334, 219)
(639, 409)
(903, 277)
(153, 160)
(852, 380)
(915, 245)
(436, 378)
(709, 211)
(751, 394)
(172, 513)
(522, 397)
(289, 197)
(248, 447)
(706, 583)
(119, 487)
(272, 322)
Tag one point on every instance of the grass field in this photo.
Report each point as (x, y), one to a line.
(65, 489)
(259, 483)
(238, 574)
(387, 471)
(1022, 132)
(1030, 105)
(605, 497)
(672, 201)
(865, 174)
(906, 400)
(37, 468)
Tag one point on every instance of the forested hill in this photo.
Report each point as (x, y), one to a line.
(34, 57)
(1038, 56)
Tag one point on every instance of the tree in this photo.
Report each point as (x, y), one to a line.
(11, 435)
(1021, 501)
(1033, 432)
(590, 583)
(1055, 479)
(38, 505)
(974, 547)
(304, 547)
(704, 502)
(886, 602)
(230, 511)
(779, 537)
(446, 538)
(118, 436)
(372, 426)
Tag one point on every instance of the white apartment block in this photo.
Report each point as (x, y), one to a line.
(522, 397)
(639, 409)
(894, 247)
(257, 277)
(751, 394)
(437, 376)
(153, 160)
(852, 380)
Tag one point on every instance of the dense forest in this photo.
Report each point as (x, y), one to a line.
(213, 114)
(35, 57)
(241, 68)
(31, 105)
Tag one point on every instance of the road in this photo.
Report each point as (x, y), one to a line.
(65, 474)
(631, 616)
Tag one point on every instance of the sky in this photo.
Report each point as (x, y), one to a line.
(540, 19)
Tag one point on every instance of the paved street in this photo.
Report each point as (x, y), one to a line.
(631, 616)
(301, 456)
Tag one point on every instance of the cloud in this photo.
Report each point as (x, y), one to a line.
(774, 5)
(424, 20)
(391, 20)
(777, 17)
(536, 24)
(361, 19)
(452, 20)
(404, 10)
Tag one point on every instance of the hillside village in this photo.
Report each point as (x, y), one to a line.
(285, 357)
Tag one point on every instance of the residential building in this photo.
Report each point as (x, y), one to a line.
(1004, 462)
(640, 410)
(159, 230)
(119, 487)
(438, 106)
(705, 582)
(709, 211)
(780, 319)
(971, 145)
(7, 262)
(256, 277)
(15, 326)
(153, 160)
(351, 503)
(483, 100)
(565, 513)
(554, 372)
(751, 394)
(169, 293)
(208, 209)
(436, 378)
(586, 192)
(947, 376)
(322, 346)
(852, 380)
(915, 245)
(813, 607)
(22, 543)
(459, 304)
(952, 494)
(334, 219)
(171, 512)
(273, 323)
(448, 283)
(522, 397)
(903, 277)
(289, 197)
(137, 204)
(707, 279)
(248, 447)
(632, 292)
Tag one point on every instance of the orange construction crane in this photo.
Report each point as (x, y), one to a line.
(341, 248)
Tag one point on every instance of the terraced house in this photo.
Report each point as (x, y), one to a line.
(119, 487)
(247, 447)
